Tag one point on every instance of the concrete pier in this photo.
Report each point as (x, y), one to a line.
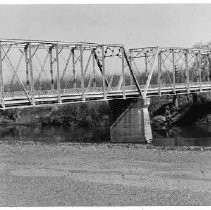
(133, 124)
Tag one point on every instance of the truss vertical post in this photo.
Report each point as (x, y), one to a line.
(209, 61)
(199, 69)
(73, 66)
(103, 72)
(123, 73)
(1, 79)
(174, 72)
(27, 65)
(146, 66)
(58, 74)
(51, 68)
(207, 68)
(31, 75)
(94, 70)
(82, 73)
(159, 73)
(187, 71)
(146, 62)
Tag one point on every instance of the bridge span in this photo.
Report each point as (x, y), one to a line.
(39, 73)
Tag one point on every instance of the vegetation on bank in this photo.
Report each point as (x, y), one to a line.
(92, 114)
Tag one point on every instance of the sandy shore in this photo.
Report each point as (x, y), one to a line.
(103, 175)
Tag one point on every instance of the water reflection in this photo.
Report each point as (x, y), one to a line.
(181, 141)
(53, 134)
(191, 135)
(195, 135)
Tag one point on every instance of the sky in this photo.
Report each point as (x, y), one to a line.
(132, 25)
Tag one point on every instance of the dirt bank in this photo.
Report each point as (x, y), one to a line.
(94, 113)
(103, 174)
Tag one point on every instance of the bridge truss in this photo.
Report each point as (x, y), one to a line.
(42, 72)
(164, 70)
(36, 72)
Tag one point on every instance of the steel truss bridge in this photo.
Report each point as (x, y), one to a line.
(37, 73)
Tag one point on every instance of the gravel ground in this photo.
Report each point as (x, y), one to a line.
(103, 175)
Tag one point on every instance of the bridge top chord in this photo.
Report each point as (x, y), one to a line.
(23, 42)
(165, 49)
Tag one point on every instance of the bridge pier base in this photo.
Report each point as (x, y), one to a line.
(133, 124)
(175, 101)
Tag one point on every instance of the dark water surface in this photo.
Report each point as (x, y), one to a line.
(194, 135)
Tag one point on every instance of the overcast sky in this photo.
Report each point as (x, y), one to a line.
(132, 25)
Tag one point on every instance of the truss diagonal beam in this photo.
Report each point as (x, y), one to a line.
(100, 68)
(132, 73)
(15, 73)
(150, 75)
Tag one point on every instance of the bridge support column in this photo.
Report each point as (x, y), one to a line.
(133, 124)
(175, 101)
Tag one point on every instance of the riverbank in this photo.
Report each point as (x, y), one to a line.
(90, 122)
(87, 114)
(72, 174)
(101, 113)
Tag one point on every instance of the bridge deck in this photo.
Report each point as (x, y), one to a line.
(48, 97)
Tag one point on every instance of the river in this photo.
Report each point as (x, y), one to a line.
(192, 135)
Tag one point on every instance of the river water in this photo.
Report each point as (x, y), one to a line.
(193, 135)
